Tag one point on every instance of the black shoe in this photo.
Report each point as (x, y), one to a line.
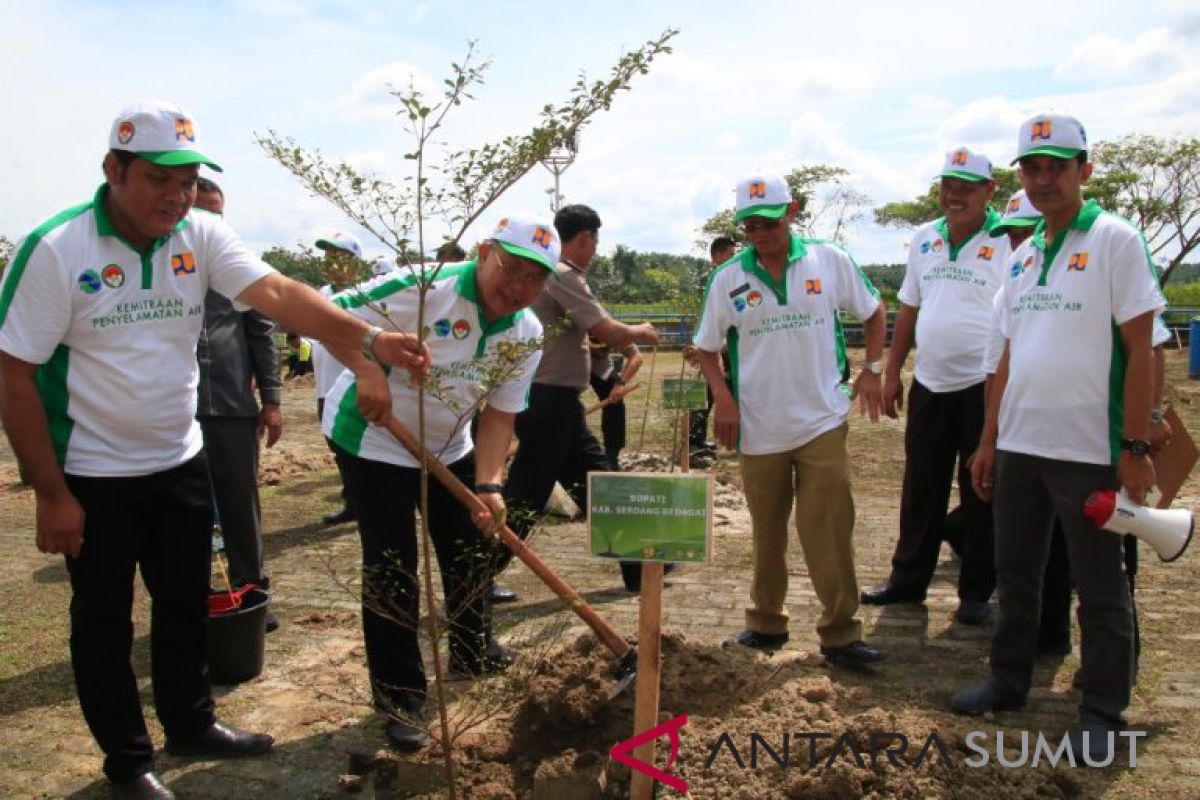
(984, 696)
(345, 515)
(272, 622)
(143, 787)
(405, 736)
(972, 612)
(854, 654)
(767, 642)
(1099, 747)
(222, 741)
(885, 594)
(496, 658)
(501, 594)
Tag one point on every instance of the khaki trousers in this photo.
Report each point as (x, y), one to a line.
(817, 475)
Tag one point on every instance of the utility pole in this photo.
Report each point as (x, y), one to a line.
(557, 162)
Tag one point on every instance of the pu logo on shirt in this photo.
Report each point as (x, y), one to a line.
(959, 159)
(1039, 130)
(1014, 205)
(125, 132)
(758, 190)
(89, 281)
(985, 253)
(461, 329)
(183, 130)
(541, 237)
(754, 299)
(113, 276)
(1077, 262)
(183, 264)
(442, 328)
(812, 286)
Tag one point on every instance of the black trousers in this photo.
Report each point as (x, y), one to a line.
(386, 498)
(556, 446)
(612, 420)
(942, 427)
(161, 523)
(1030, 491)
(333, 449)
(231, 446)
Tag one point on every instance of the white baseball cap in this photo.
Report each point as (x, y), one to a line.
(965, 164)
(529, 238)
(1056, 135)
(381, 265)
(341, 241)
(762, 196)
(160, 132)
(1018, 213)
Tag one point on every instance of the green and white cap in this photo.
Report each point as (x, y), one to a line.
(526, 237)
(341, 241)
(965, 164)
(160, 132)
(762, 196)
(1056, 135)
(1019, 213)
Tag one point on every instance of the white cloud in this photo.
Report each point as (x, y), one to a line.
(1106, 59)
(371, 98)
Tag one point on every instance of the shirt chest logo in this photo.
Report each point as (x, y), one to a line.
(752, 299)
(932, 247)
(183, 264)
(461, 329)
(113, 276)
(1018, 267)
(812, 286)
(985, 253)
(1077, 262)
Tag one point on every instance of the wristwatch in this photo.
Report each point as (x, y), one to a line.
(368, 342)
(489, 488)
(874, 367)
(1137, 447)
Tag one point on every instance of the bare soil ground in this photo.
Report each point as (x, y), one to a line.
(550, 715)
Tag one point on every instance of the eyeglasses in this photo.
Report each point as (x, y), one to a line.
(756, 224)
(520, 275)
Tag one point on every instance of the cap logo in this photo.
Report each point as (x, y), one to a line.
(1077, 262)
(125, 132)
(758, 190)
(959, 159)
(541, 237)
(183, 130)
(1014, 205)
(1039, 130)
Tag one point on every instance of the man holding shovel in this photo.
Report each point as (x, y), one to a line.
(100, 312)
(485, 345)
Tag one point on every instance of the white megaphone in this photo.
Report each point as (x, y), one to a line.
(1168, 531)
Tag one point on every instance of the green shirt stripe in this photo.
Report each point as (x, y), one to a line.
(17, 268)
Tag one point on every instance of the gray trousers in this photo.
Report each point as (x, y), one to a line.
(231, 444)
(1029, 492)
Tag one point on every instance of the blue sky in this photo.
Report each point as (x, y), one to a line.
(882, 89)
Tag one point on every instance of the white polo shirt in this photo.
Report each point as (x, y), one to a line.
(115, 331)
(953, 287)
(1063, 302)
(465, 348)
(786, 348)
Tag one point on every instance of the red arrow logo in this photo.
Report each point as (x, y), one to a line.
(623, 752)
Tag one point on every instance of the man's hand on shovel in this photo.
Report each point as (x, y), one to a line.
(491, 521)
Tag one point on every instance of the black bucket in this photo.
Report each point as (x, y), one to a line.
(237, 639)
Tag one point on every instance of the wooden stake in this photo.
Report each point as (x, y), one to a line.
(649, 672)
(646, 405)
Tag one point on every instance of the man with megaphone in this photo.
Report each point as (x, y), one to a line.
(1069, 414)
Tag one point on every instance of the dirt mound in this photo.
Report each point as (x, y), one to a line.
(277, 465)
(757, 727)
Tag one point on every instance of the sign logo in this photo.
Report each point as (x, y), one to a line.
(542, 237)
(754, 299)
(1077, 262)
(89, 281)
(183, 264)
(1039, 130)
(758, 190)
(959, 159)
(442, 328)
(985, 252)
(812, 286)
(461, 329)
(1014, 205)
(623, 753)
(113, 276)
(125, 132)
(183, 130)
